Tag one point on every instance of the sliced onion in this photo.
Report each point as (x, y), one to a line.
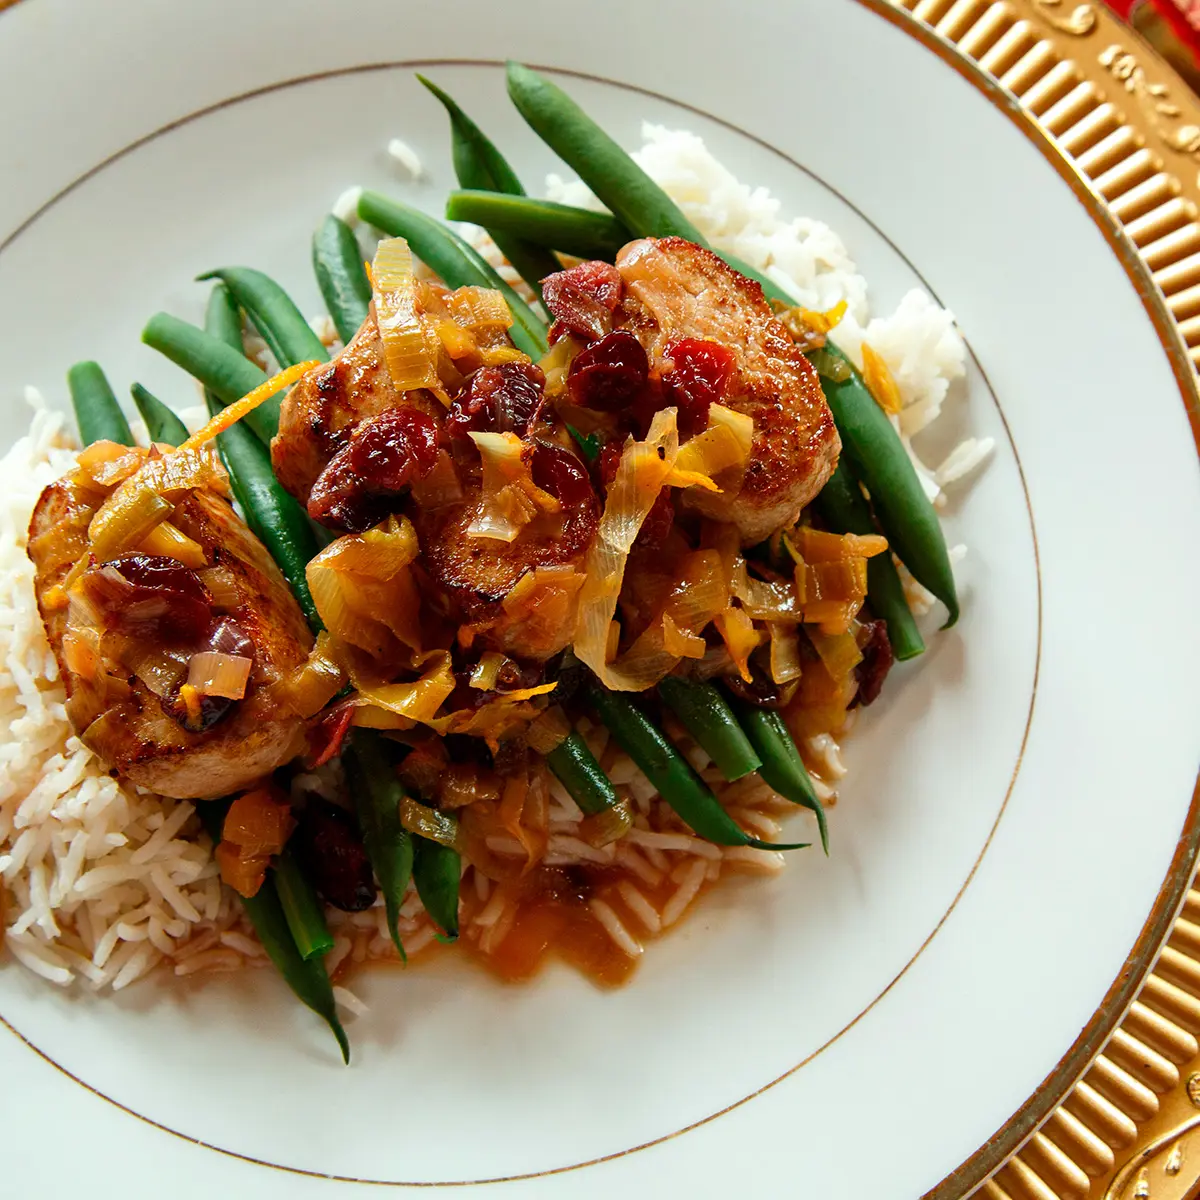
(510, 499)
(212, 673)
(740, 637)
(839, 652)
(480, 308)
(160, 669)
(410, 344)
(168, 541)
(339, 617)
(724, 444)
(417, 701)
(487, 671)
(431, 823)
(680, 642)
(312, 685)
(641, 474)
(786, 664)
(124, 520)
(221, 585)
(380, 553)
(607, 826)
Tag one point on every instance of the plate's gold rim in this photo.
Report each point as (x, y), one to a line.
(1117, 1117)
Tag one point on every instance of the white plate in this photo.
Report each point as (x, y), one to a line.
(863, 1024)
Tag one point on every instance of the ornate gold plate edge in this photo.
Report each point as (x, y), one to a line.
(1129, 1129)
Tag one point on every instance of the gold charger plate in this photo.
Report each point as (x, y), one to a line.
(1129, 1129)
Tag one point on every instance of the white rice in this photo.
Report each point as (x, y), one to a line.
(101, 881)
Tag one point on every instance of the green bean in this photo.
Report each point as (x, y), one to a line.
(670, 772)
(273, 515)
(341, 276)
(301, 907)
(453, 261)
(710, 721)
(782, 767)
(161, 422)
(377, 794)
(228, 374)
(906, 516)
(308, 979)
(621, 185)
(575, 231)
(844, 509)
(223, 318)
(274, 313)
(97, 412)
(437, 870)
(475, 156)
(478, 164)
(577, 770)
(905, 513)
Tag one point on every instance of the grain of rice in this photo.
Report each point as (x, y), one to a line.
(640, 906)
(222, 958)
(406, 156)
(350, 1002)
(684, 894)
(759, 823)
(631, 860)
(424, 936)
(621, 936)
(495, 934)
(241, 943)
(650, 840)
(139, 964)
(759, 862)
(492, 911)
(337, 956)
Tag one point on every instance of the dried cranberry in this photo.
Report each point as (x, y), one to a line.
(362, 482)
(559, 472)
(503, 399)
(761, 691)
(877, 660)
(582, 300)
(698, 378)
(155, 598)
(329, 844)
(610, 374)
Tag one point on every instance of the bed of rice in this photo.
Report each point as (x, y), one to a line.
(102, 882)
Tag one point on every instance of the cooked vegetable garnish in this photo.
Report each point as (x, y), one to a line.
(603, 164)
(436, 872)
(453, 260)
(478, 164)
(782, 767)
(377, 793)
(97, 412)
(706, 716)
(161, 422)
(671, 774)
(844, 509)
(308, 979)
(572, 230)
(301, 907)
(274, 313)
(338, 265)
(226, 372)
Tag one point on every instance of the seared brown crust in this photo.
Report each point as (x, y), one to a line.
(676, 289)
(320, 412)
(134, 736)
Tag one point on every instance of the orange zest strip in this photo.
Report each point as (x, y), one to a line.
(234, 412)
